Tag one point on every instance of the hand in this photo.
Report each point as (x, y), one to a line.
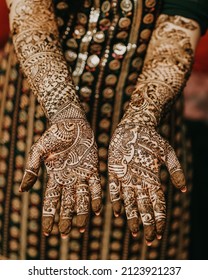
(70, 154)
(135, 156)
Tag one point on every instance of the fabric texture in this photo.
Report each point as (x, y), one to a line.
(193, 9)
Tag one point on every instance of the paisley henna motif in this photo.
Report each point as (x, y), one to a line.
(70, 154)
(137, 151)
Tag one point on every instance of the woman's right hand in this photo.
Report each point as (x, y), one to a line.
(69, 152)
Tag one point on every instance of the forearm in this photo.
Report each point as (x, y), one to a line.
(36, 41)
(166, 69)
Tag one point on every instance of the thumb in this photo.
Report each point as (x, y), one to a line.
(175, 169)
(178, 180)
(32, 167)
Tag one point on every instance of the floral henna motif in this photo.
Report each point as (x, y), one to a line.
(134, 164)
(70, 154)
(136, 150)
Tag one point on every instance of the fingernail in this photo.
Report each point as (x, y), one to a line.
(45, 233)
(159, 237)
(82, 230)
(64, 236)
(134, 234)
(97, 213)
(184, 189)
(116, 214)
(148, 243)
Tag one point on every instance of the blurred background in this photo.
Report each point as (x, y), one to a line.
(196, 118)
(4, 25)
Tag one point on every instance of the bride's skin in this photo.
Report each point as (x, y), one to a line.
(68, 148)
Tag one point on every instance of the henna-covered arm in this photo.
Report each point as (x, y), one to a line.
(136, 149)
(167, 67)
(68, 147)
(36, 40)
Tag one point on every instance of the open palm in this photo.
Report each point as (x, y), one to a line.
(135, 157)
(70, 154)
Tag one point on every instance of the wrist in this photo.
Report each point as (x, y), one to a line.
(68, 111)
(142, 111)
(55, 99)
(165, 71)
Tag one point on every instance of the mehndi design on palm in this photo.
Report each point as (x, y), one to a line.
(136, 154)
(137, 151)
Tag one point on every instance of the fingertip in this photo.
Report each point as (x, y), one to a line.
(117, 208)
(97, 206)
(160, 227)
(64, 236)
(149, 243)
(149, 233)
(82, 230)
(134, 234)
(178, 180)
(47, 225)
(65, 227)
(82, 222)
(28, 181)
(23, 190)
(98, 212)
(116, 214)
(133, 225)
(183, 189)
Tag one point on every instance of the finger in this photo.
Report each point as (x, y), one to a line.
(175, 169)
(114, 188)
(96, 193)
(159, 207)
(28, 181)
(82, 222)
(32, 167)
(178, 180)
(131, 208)
(51, 199)
(133, 225)
(82, 205)
(67, 210)
(145, 208)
